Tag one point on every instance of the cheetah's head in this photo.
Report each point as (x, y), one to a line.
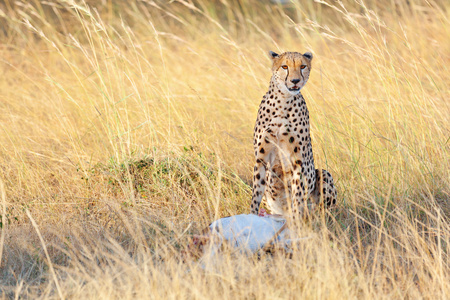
(291, 70)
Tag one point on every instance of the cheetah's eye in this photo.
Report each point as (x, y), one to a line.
(302, 67)
(284, 67)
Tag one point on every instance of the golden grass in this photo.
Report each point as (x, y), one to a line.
(126, 126)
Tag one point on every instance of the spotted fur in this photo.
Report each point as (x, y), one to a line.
(284, 171)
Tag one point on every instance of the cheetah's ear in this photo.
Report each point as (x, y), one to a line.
(308, 55)
(273, 55)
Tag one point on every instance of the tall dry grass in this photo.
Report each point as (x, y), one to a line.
(127, 126)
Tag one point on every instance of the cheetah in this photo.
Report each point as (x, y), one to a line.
(284, 172)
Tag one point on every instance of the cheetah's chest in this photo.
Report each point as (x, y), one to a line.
(279, 128)
(282, 128)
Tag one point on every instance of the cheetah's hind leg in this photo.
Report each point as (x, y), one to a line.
(324, 193)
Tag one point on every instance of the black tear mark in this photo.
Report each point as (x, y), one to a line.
(285, 80)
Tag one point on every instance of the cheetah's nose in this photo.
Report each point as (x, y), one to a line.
(295, 81)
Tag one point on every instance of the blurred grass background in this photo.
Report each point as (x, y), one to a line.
(127, 125)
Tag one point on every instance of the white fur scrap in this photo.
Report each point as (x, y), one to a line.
(248, 232)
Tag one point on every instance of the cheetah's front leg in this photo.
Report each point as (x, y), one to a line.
(259, 185)
(298, 190)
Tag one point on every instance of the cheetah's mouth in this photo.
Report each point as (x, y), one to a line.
(294, 88)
